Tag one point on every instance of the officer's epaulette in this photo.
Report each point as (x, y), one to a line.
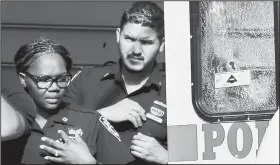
(109, 63)
(108, 66)
(108, 76)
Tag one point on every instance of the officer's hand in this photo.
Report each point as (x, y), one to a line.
(125, 110)
(70, 152)
(148, 149)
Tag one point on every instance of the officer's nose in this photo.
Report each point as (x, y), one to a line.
(137, 49)
(54, 87)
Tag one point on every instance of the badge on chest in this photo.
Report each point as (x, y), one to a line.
(73, 131)
(157, 111)
(71, 134)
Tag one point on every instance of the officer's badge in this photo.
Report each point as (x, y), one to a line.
(80, 132)
(157, 111)
(109, 127)
(73, 131)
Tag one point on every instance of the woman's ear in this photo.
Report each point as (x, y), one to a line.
(22, 78)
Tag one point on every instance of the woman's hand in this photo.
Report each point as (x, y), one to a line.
(69, 152)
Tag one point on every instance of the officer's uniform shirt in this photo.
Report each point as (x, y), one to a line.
(101, 87)
(103, 141)
(12, 150)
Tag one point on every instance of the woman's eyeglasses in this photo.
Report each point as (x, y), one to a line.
(45, 82)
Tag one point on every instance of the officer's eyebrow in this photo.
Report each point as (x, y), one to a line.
(130, 37)
(57, 75)
(147, 39)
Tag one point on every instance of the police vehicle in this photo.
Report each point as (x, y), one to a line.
(222, 60)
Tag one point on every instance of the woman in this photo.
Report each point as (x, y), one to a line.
(43, 67)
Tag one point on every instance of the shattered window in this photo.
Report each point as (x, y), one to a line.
(237, 57)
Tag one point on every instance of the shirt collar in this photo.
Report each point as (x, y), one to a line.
(62, 116)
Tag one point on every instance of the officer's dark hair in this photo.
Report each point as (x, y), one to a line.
(145, 13)
(28, 53)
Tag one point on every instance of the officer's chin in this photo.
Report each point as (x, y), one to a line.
(134, 68)
(51, 107)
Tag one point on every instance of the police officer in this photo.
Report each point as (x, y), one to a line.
(131, 94)
(43, 67)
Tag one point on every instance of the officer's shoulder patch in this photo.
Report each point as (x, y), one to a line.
(109, 127)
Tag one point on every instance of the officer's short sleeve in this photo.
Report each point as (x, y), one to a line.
(110, 148)
(23, 104)
(93, 129)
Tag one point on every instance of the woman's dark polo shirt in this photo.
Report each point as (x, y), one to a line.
(103, 141)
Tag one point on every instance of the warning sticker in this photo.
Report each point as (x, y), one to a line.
(230, 79)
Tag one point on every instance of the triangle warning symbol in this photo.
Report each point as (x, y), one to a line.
(231, 79)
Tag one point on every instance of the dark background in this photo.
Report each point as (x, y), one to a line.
(86, 29)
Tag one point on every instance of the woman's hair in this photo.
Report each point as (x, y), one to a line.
(28, 53)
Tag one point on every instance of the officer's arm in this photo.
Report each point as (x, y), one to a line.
(12, 123)
(16, 117)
